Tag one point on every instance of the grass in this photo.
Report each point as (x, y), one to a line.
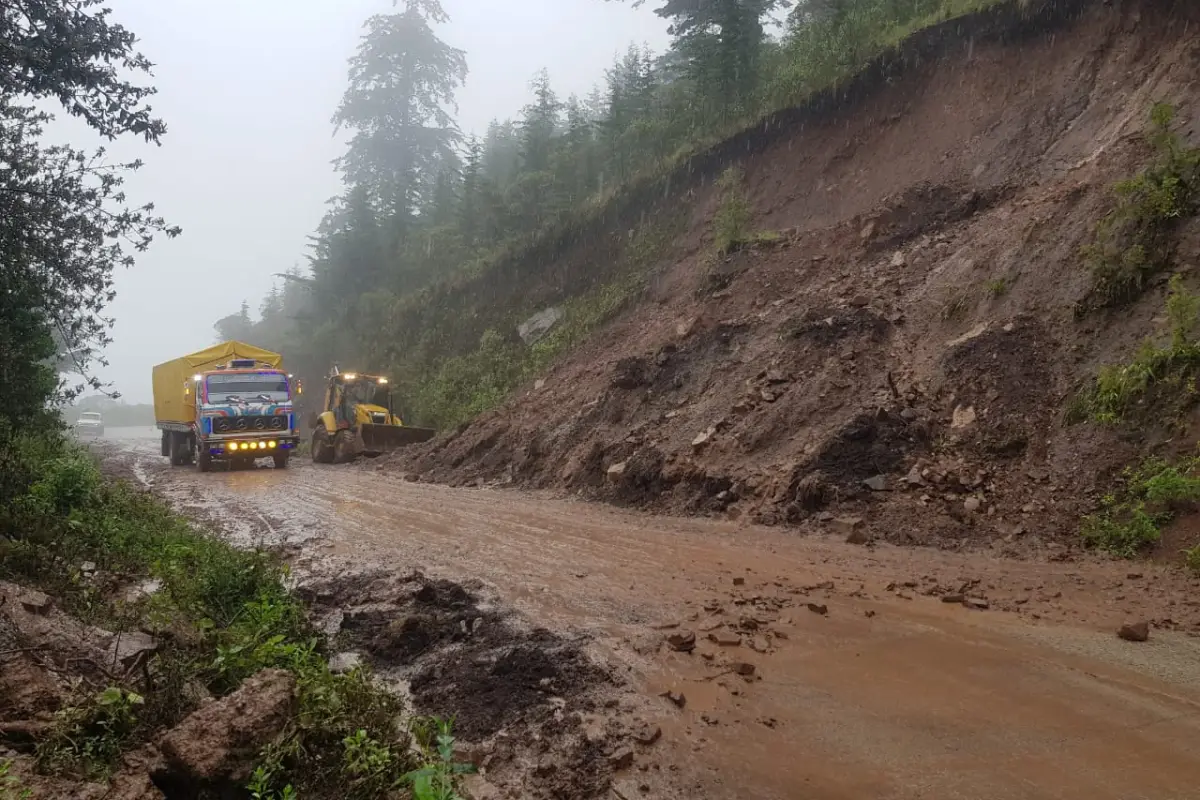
(10, 787)
(221, 615)
(1159, 380)
(1130, 520)
(955, 305)
(1134, 242)
(731, 222)
(998, 287)
(459, 388)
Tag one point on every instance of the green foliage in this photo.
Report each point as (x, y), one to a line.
(437, 777)
(1130, 520)
(261, 781)
(65, 223)
(89, 738)
(10, 786)
(998, 287)
(459, 388)
(732, 221)
(1134, 241)
(1159, 377)
(240, 616)
(1191, 558)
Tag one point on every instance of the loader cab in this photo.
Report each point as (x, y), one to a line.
(359, 417)
(354, 399)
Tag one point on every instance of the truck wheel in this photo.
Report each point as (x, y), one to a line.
(166, 443)
(203, 461)
(176, 450)
(281, 460)
(322, 451)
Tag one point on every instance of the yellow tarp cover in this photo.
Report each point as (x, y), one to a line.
(171, 404)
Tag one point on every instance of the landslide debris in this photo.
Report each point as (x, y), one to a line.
(904, 350)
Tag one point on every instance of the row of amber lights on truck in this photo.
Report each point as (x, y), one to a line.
(251, 445)
(350, 376)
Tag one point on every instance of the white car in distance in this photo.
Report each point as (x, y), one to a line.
(90, 423)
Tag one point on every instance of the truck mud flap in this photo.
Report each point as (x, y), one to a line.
(378, 439)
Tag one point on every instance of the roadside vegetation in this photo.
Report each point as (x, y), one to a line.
(1160, 379)
(413, 271)
(1135, 241)
(221, 615)
(109, 555)
(1130, 520)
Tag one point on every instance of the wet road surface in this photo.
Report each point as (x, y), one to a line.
(892, 693)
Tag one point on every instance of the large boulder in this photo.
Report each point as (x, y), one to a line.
(220, 742)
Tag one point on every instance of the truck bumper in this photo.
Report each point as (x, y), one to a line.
(254, 446)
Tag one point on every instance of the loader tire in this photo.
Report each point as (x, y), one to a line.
(322, 450)
(342, 452)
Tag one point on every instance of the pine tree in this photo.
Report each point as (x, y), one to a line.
(539, 124)
(470, 198)
(402, 85)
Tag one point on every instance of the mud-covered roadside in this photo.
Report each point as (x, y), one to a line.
(870, 662)
(533, 711)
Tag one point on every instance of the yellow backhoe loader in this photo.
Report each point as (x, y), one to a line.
(358, 418)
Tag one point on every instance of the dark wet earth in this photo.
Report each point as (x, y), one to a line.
(796, 666)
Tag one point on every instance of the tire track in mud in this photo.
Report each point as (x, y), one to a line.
(863, 682)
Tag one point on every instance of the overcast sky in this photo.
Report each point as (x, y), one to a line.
(247, 89)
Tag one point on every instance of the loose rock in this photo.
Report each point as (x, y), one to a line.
(36, 602)
(224, 739)
(725, 638)
(344, 662)
(818, 608)
(847, 525)
(1134, 631)
(878, 483)
(648, 734)
(622, 758)
(682, 641)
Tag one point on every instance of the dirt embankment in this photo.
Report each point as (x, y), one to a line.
(905, 353)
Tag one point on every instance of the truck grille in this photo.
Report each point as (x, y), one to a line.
(249, 423)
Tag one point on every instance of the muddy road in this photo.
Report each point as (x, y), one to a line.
(869, 678)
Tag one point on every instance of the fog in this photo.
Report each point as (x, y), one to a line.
(247, 90)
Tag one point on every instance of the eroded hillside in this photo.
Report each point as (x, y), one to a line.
(900, 337)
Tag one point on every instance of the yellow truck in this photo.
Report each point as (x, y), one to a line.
(231, 402)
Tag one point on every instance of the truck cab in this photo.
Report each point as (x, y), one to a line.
(242, 412)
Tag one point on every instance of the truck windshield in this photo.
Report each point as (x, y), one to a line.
(248, 387)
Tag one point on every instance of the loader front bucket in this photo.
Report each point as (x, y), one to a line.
(378, 439)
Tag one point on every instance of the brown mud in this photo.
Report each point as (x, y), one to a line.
(905, 350)
(682, 658)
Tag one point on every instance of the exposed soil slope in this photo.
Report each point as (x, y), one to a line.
(914, 329)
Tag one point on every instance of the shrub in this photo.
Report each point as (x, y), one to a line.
(1159, 377)
(1134, 241)
(1131, 519)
